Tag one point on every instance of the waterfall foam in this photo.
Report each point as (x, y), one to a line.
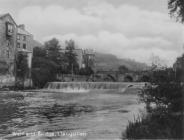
(87, 86)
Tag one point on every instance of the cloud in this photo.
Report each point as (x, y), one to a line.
(125, 30)
(138, 48)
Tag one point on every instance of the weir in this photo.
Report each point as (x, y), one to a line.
(87, 86)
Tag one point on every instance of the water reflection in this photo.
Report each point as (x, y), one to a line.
(9, 110)
(63, 110)
(98, 114)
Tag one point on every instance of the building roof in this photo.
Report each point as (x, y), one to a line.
(7, 14)
(23, 32)
(20, 31)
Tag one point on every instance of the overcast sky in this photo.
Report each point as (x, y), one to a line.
(133, 29)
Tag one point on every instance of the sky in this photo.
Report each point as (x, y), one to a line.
(134, 29)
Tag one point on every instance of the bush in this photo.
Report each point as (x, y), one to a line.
(43, 71)
(164, 106)
(157, 125)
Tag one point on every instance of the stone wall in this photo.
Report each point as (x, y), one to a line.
(7, 48)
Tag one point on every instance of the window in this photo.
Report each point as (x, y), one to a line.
(18, 37)
(24, 38)
(9, 28)
(24, 46)
(18, 45)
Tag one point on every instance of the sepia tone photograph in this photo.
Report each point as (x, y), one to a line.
(91, 69)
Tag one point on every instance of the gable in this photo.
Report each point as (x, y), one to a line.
(8, 16)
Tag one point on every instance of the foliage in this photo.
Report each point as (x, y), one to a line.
(43, 69)
(145, 78)
(123, 69)
(71, 57)
(157, 125)
(176, 8)
(3, 67)
(128, 78)
(50, 60)
(179, 68)
(164, 104)
(168, 95)
(22, 66)
(39, 52)
(86, 71)
(52, 48)
(162, 76)
(53, 52)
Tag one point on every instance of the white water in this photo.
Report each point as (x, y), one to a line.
(101, 115)
(87, 86)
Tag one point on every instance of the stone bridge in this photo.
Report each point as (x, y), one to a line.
(115, 76)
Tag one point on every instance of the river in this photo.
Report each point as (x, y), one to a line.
(98, 114)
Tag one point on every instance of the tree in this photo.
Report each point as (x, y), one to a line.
(71, 57)
(123, 69)
(3, 68)
(128, 78)
(179, 68)
(86, 71)
(43, 69)
(164, 104)
(39, 52)
(53, 52)
(176, 8)
(145, 78)
(22, 67)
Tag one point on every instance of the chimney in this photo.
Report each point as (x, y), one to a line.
(22, 26)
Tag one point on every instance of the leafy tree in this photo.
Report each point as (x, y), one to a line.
(86, 71)
(144, 78)
(54, 52)
(39, 52)
(162, 76)
(165, 119)
(52, 48)
(43, 69)
(22, 66)
(164, 104)
(3, 67)
(179, 68)
(71, 57)
(123, 69)
(128, 78)
(176, 8)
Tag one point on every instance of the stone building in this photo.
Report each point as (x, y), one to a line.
(14, 39)
(8, 33)
(89, 58)
(25, 44)
(24, 39)
(79, 53)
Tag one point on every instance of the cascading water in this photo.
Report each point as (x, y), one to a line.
(87, 86)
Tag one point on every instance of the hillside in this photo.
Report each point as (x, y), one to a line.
(111, 62)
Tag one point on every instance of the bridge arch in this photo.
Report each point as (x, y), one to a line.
(128, 78)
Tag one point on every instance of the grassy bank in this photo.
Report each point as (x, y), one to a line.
(159, 124)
